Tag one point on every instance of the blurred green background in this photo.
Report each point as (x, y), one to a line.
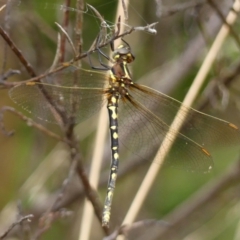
(32, 168)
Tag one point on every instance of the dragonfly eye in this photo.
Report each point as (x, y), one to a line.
(130, 58)
(123, 53)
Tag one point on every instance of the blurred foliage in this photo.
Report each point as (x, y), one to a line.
(30, 24)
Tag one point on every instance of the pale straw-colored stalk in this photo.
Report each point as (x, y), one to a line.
(97, 159)
(180, 116)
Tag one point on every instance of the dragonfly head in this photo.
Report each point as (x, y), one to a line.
(123, 53)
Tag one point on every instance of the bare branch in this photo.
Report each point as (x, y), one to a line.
(29, 122)
(68, 38)
(22, 219)
(65, 25)
(18, 53)
(78, 26)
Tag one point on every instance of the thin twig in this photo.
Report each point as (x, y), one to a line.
(73, 144)
(6, 26)
(102, 35)
(22, 219)
(69, 132)
(67, 64)
(65, 25)
(125, 9)
(8, 74)
(57, 55)
(65, 184)
(75, 154)
(17, 52)
(77, 158)
(70, 138)
(78, 26)
(29, 122)
(68, 38)
(48, 219)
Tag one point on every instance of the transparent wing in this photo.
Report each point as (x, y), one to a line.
(204, 129)
(73, 92)
(147, 117)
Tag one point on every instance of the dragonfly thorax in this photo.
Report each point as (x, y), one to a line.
(119, 85)
(120, 72)
(119, 91)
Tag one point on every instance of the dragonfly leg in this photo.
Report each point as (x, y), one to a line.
(104, 66)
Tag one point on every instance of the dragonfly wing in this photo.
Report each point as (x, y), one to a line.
(147, 133)
(207, 131)
(74, 76)
(78, 97)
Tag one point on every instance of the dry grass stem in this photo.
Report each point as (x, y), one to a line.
(97, 159)
(177, 123)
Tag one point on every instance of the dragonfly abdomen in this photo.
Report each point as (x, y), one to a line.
(113, 126)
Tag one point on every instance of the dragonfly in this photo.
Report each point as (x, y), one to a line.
(139, 116)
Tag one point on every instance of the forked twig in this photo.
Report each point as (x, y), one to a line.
(48, 219)
(22, 219)
(68, 38)
(71, 140)
(147, 28)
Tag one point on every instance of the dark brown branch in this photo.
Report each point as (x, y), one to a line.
(68, 126)
(75, 156)
(65, 25)
(78, 26)
(18, 53)
(70, 138)
(67, 64)
(89, 191)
